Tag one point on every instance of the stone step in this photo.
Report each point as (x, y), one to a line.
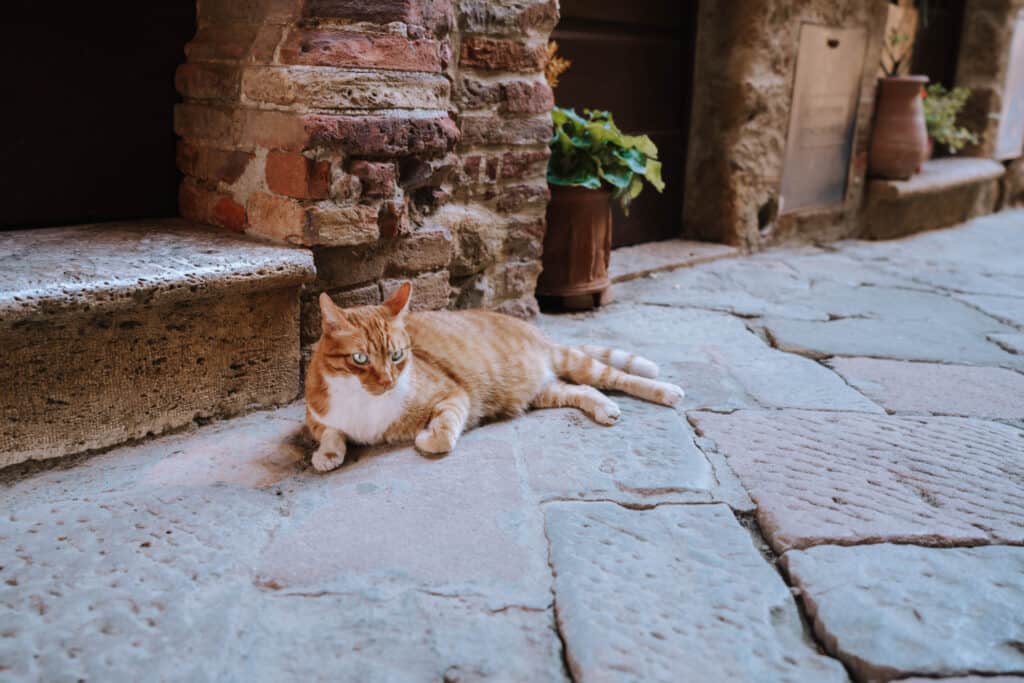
(113, 332)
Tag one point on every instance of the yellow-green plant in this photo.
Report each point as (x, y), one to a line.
(941, 107)
(589, 150)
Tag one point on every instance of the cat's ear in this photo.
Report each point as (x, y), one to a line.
(334, 321)
(399, 301)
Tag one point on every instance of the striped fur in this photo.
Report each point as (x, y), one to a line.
(456, 369)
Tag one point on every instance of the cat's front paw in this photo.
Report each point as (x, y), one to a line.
(435, 441)
(325, 461)
(669, 394)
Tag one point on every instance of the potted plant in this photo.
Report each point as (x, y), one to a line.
(941, 107)
(899, 139)
(592, 163)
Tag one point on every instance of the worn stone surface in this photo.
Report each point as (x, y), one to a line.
(902, 387)
(629, 263)
(892, 610)
(1008, 309)
(1011, 342)
(114, 333)
(843, 478)
(675, 593)
(714, 357)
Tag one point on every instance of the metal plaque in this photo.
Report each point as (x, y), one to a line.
(822, 117)
(1010, 141)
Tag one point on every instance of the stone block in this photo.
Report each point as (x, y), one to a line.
(386, 136)
(487, 17)
(430, 291)
(316, 47)
(167, 323)
(278, 218)
(496, 130)
(677, 593)
(331, 225)
(495, 54)
(843, 478)
(892, 610)
(331, 89)
(940, 389)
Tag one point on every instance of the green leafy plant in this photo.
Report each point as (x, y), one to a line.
(941, 107)
(589, 150)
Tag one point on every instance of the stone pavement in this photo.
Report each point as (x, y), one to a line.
(840, 495)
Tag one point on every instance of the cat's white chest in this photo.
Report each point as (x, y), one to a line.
(360, 415)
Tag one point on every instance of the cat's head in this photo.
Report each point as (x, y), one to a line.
(367, 342)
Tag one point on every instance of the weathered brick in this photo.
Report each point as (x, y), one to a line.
(525, 239)
(314, 47)
(383, 135)
(332, 225)
(202, 205)
(430, 291)
(201, 122)
(248, 11)
(271, 130)
(231, 41)
(519, 196)
(434, 15)
(473, 93)
(295, 175)
(496, 130)
(299, 86)
(378, 178)
(487, 16)
(393, 219)
(277, 218)
(496, 54)
(424, 249)
(209, 163)
(519, 97)
(520, 165)
(208, 81)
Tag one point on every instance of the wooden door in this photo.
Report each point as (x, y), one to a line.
(635, 59)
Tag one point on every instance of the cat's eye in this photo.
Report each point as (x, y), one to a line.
(360, 358)
(397, 355)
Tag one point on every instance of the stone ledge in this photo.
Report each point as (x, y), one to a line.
(946, 192)
(937, 176)
(630, 263)
(92, 268)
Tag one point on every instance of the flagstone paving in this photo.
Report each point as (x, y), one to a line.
(851, 428)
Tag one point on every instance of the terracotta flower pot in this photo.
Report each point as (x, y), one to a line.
(578, 242)
(899, 140)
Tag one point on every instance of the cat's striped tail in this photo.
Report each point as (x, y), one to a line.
(581, 368)
(623, 360)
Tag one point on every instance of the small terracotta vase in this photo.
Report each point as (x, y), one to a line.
(899, 139)
(578, 242)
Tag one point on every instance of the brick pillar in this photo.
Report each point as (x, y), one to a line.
(332, 124)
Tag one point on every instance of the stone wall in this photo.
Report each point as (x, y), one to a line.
(745, 66)
(400, 139)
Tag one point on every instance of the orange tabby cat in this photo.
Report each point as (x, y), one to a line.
(382, 375)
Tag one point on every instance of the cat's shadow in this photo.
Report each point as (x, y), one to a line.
(303, 440)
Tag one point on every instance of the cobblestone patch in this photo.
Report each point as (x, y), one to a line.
(846, 478)
(902, 387)
(671, 594)
(893, 610)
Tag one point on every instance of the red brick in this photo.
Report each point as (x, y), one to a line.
(526, 98)
(272, 130)
(313, 47)
(393, 219)
(521, 165)
(205, 206)
(295, 175)
(230, 214)
(386, 136)
(208, 81)
(208, 163)
(378, 177)
(496, 54)
(471, 168)
(496, 130)
(277, 218)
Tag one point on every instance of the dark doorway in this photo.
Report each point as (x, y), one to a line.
(88, 117)
(636, 60)
(937, 45)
